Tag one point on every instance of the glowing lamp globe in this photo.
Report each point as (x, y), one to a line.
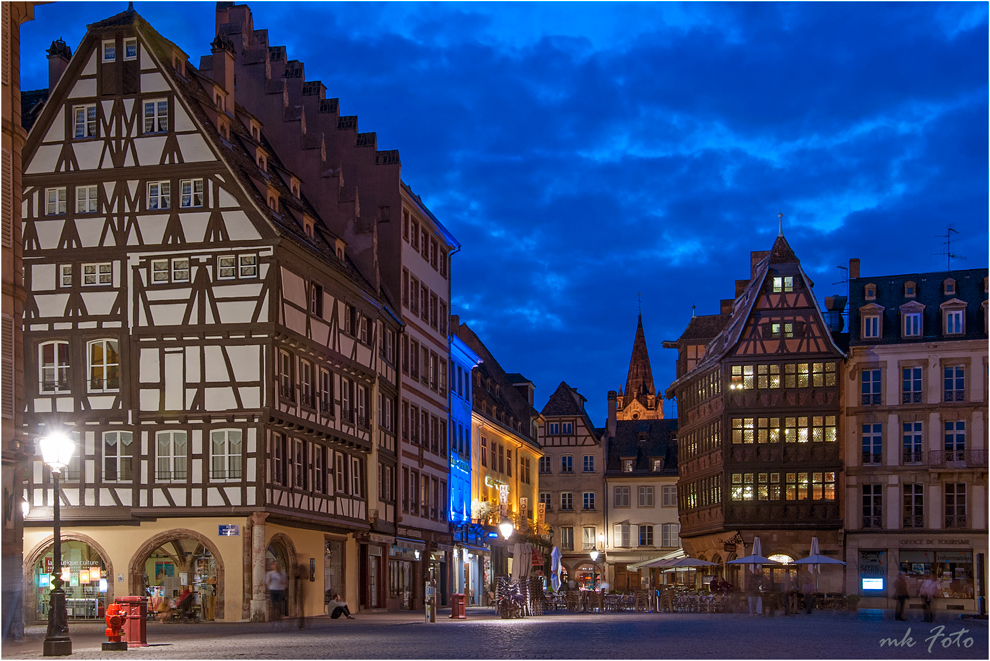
(56, 450)
(594, 556)
(506, 528)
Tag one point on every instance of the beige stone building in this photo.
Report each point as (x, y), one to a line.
(916, 435)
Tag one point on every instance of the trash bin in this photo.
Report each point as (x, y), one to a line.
(457, 607)
(136, 624)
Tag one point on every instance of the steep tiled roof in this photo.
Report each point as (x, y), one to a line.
(32, 103)
(705, 328)
(930, 293)
(643, 440)
(564, 401)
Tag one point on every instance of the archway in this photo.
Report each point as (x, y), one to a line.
(89, 585)
(281, 555)
(179, 558)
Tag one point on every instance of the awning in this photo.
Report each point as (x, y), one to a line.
(674, 555)
(414, 544)
(472, 547)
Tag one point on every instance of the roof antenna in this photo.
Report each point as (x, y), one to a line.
(948, 247)
(780, 227)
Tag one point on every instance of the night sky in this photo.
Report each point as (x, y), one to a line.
(583, 153)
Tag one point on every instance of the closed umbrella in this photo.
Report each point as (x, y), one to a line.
(555, 569)
(757, 550)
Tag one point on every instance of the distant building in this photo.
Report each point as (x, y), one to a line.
(916, 434)
(640, 484)
(759, 420)
(468, 542)
(504, 455)
(571, 474)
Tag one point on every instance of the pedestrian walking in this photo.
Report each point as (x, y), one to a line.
(301, 574)
(901, 595)
(785, 592)
(339, 608)
(929, 590)
(754, 593)
(808, 590)
(276, 582)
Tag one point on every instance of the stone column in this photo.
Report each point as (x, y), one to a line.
(259, 603)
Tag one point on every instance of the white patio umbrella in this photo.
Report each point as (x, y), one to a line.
(688, 562)
(555, 569)
(816, 560)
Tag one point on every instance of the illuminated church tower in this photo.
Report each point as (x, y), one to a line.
(639, 400)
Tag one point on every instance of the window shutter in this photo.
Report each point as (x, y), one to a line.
(7, 211)
(7, 369)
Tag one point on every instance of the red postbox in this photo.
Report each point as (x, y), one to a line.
(136, 624)
(116, 616)
(457, 607)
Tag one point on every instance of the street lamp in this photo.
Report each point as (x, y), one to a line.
(594, 567)
(506, 528)
(56, 451)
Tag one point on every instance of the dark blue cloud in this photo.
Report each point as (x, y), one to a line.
(585, 152)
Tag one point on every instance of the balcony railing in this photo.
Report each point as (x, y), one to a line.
(171, 476)
(104, 385)
(872, 459)
(873, 522)
(225, 474)
(326, 408)
(347, 416)
(912, 457)
(871, 399)
(307, 400)
(287, 392)
(955, 521)
(957, 458)
(911, 398)
(48, 387)
(914, 521)
(954, 396)
(364, 422)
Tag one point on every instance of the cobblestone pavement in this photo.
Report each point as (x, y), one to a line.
(552, 636)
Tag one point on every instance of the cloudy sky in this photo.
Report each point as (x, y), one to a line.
(583, 153)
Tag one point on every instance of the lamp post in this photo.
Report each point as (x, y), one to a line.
(56, 451)
(594, 567)
(506, 528)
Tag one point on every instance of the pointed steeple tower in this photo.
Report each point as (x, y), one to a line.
(639, 400)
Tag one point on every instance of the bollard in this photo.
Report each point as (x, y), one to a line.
(136, 625)
(116, 615)
(457, 607)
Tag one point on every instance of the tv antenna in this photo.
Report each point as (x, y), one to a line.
(949, 256)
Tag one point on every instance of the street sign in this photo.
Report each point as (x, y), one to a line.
(229, 530)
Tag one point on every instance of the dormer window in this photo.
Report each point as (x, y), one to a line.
(273, 202)
(179, 62)
(627, 465)
(294, 187)
(255, 131)
(949, 287)
(910, 289)
(911, 326)
(308, 227)
(656, 464)
(218, 99)
(871, 321)
(953, 317)
(109, 51)
(262, 162)
(783, 285)
(870, 292)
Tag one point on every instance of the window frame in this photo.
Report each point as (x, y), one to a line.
(130, 41)
(58, 205)
(196, 199)
(87, 125)
(108, 51)
(176, 464)
(157, 116)
(159, 195)
(232, 460)
(90, 201)
(106, 367)
(60, 363)
(122, 459)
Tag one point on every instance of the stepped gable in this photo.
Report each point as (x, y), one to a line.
(644, 440)
(287, 221)
(639, 381)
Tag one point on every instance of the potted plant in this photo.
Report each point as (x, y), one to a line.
(852, 602)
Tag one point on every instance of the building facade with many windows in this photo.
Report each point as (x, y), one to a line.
(759, 439)
(571, 481)
(197, 326)
(916, 434)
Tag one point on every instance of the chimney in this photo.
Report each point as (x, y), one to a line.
(725, 305)
(741, 286)
(59, 55)
(223, 68)
(854, 268)
(612, 409)
(754, 259)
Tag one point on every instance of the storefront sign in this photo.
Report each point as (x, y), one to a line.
(229, 530)
(872, 569)
(380, 539)
(935, 541)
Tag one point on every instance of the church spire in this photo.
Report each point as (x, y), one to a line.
(639, 382)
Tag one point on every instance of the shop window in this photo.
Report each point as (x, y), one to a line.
(86, 581)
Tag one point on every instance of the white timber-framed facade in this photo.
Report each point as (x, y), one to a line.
(193, 321)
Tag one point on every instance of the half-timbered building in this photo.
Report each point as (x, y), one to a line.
(400, 247)
(759, 447)
(196, 324)
(916, 435)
